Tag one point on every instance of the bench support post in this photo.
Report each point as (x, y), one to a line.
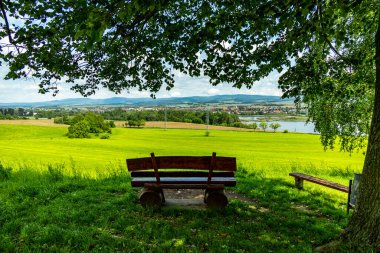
(215, 198)
(298, 182)
(152, 198)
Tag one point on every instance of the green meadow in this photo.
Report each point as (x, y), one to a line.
(61, 194)
(276, 154)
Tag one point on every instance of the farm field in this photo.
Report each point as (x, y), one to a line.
(64, 194)
(274, 153)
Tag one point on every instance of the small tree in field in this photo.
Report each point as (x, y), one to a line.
(80, 129)
(274, 126)
(140, 123)
(263, 125)
(254, 126)
(131, 123)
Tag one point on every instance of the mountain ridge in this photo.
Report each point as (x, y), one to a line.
(117, 101)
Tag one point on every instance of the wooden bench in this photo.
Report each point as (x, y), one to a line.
(300, 177)
(211, 173)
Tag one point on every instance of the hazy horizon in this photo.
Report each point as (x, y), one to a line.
(26, 91)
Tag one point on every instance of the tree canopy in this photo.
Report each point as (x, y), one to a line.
(323, 49)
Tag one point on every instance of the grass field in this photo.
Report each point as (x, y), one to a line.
(63, 194)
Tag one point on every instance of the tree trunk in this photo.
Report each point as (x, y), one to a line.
(364, 226)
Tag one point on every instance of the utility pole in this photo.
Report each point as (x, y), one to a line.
(165, 118)
(207, 121)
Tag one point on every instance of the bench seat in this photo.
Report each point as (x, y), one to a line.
(226, 181)
(300, 177)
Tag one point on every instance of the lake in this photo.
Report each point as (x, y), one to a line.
(291, 126)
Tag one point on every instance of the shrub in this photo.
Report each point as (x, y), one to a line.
(84, 124)
(263, 125)
(286, 131)
(111, 124)
(80, 129)
(254, 126)
(104, 136)
(5, 173)
(274, 126)
(58, 120)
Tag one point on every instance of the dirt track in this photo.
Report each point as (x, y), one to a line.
(149, 124)
(34, 122)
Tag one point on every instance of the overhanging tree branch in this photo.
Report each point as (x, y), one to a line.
(7, 28)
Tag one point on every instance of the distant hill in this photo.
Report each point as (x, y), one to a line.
(121, 101)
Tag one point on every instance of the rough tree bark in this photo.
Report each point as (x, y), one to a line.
(364, 226)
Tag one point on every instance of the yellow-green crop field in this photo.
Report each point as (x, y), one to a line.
(273, 154)
(68, 195)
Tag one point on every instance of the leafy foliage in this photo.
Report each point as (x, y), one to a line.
(82, 125)
(263, 125)
(81, 129)
(254, 126)
(135, 123)
(274, 126)
(325, 47)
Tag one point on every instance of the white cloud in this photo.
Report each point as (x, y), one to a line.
(27, 90)
(213, 91)
(175, 94)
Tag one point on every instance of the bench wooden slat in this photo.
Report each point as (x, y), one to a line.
(184, 186)
(183, 162)
(182, 174)
(227, 181)
(319, 181)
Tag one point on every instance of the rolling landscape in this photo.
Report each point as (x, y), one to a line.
(131, 126)
(121, 101)
(53, 187)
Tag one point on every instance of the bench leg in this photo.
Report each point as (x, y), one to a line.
(162, 195)
(152, 198)
(215, 198)
(298, 182)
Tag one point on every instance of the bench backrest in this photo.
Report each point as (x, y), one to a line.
(175, 166)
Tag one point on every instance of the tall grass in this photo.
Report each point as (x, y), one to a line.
(51, 211)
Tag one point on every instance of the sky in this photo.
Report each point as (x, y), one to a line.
(22, 90)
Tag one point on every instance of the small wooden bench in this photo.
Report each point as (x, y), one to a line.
(300, 177)
(211, 173)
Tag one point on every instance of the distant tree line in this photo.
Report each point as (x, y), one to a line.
(196, 117)
(12, 113)
(135, 123)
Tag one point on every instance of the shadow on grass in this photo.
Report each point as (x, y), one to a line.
(43, 211)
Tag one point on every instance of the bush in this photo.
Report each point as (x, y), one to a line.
(80, 129)
(286, 131)
(58, 120)
(84, 124)
(274, 126)
(5, 173)
(104, 136)
(111, 124)
(263, 125)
